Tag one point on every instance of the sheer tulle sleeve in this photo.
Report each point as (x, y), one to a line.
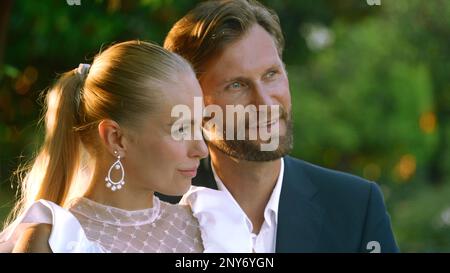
(222, 222)
(66, 236)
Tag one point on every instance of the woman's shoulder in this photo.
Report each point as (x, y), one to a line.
(46, 226)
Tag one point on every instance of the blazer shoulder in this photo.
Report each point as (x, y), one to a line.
(333, 182)
(352, 207)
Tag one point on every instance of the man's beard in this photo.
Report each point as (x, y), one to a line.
(250, 150)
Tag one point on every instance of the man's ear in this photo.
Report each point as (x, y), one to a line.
(111, 135)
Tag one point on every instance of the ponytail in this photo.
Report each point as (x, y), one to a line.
(51, 173)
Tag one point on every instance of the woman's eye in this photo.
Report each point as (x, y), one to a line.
(182, 130)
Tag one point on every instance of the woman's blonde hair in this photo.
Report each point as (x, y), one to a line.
(123, 84)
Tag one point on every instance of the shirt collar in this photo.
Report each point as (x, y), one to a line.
(274, 200)
(272, 204)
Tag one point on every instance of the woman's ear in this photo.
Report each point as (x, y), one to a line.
(111, 136)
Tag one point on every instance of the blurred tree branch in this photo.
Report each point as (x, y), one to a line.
(5, 11)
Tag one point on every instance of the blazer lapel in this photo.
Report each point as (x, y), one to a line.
(299, 215)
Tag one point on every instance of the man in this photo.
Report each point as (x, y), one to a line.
(290, 205)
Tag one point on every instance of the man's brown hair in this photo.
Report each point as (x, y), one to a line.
(213, 24)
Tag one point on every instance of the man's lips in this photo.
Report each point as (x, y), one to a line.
(264, 125)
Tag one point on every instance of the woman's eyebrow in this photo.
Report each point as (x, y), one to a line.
(183, 121)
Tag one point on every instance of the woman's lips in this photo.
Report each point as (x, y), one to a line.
(189, 172)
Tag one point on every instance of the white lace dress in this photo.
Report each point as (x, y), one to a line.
(205, 221)
(88, 226)
(161, 229)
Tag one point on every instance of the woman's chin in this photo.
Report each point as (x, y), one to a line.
(180, 190)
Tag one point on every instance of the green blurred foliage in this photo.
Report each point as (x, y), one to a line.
(370, 89)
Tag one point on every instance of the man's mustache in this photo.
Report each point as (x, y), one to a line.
(263, 118)
(267, 118)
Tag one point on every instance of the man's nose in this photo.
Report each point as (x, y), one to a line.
(263, 95)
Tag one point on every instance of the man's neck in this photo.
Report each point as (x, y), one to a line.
(250, 183)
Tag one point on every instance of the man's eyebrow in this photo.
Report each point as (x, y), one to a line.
(272, 67)
(244, 79)
(234, 79)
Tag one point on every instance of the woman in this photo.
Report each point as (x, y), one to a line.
(118, 113)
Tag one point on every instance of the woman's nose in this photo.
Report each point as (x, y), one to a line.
(199, 149)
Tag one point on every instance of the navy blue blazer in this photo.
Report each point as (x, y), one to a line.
(322, 210)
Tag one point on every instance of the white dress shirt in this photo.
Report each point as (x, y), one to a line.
(265, 240)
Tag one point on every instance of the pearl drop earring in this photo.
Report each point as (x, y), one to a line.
(115, 185)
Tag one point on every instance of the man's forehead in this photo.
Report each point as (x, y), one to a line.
(257, 42)
(255, 51)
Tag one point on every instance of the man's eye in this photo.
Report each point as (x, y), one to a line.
(235, 85)
(271, 74)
